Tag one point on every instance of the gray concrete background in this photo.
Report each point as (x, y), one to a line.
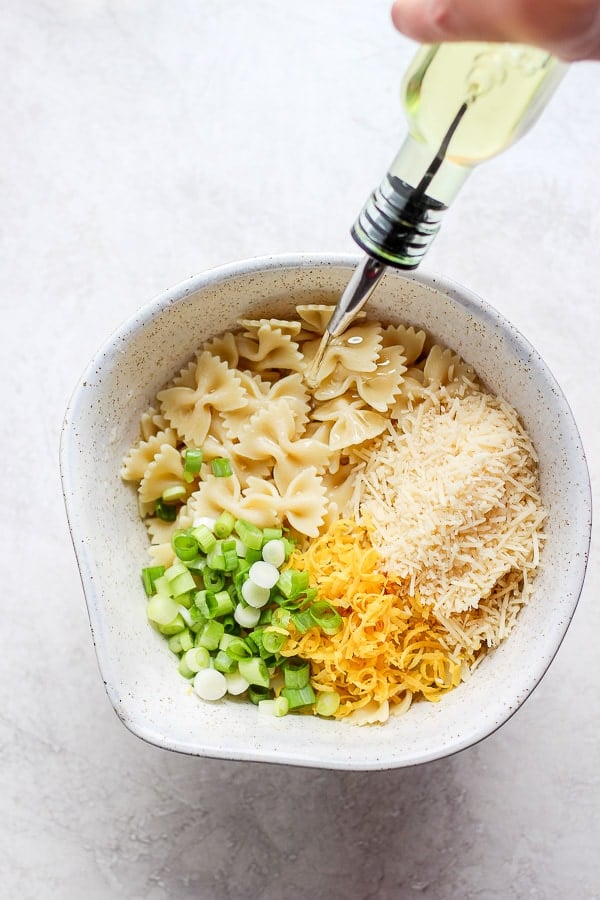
(144, 141)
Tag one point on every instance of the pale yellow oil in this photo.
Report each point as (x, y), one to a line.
(505, 86)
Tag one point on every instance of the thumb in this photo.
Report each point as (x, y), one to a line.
(434, 21)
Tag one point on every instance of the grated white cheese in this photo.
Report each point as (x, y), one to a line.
(454, 503)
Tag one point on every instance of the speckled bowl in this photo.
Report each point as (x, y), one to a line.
(102, 420)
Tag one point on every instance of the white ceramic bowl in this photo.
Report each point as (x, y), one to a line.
(110, 541)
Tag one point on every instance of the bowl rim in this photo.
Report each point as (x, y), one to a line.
(259, 264)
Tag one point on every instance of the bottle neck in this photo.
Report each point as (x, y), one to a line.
(403, 215)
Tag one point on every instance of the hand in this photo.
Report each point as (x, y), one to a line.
(568, 28)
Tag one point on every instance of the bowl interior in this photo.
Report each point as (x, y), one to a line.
(110, 541)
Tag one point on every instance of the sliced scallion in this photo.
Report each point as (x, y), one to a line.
(224, 524)
(246, 616)
(165, 512)
(299, 697)
(174, 494)
(185, 546)
(221, 467)
(296, 675)
(255, 671)
(327, 703)
(326, 617)
(279, 706)
(249, 534)
(210, 684)
(149, 576)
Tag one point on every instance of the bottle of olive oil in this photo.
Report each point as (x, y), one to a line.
(465, 103)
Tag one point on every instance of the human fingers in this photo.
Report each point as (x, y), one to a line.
(569, 28)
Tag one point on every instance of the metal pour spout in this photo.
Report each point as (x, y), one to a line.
(365, 279)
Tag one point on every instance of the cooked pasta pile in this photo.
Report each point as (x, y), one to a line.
(412, 494)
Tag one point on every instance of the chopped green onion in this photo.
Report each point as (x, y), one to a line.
(184, 669)
(192, 462)
(213, 581)
(149, 576)
(173, 627)
(196, 565)
(253, 556)
(281, 617)
(255, 671)
(271, 534)
(273, 639)
(303, 621)
(246, 616)
(296, 675)
(181, 642)
(210, 684)
(162, 610)
(249, 534)
(253, 594)
(183, 583)
(236, 685)
(303, 697)
(224, 524)
(185, 546)
(274, 552)
(165, 512)
(210, 635)
(257, 693)
(263, 574)
(292, 583)
(215, 559)
(205, 538)
(218, 604)
(223, 662)
(326, 617)
(327, 703)
(230, 625)
(277, 707)
(235, 647)
(290, 546)
(231, 560)
(197, 658)
(221, 467)
(174, 494)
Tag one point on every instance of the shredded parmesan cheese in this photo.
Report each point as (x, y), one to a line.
(454, 502)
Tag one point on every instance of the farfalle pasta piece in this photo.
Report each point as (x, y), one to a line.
(411, 341)
(225, 347)
(141, 455)
(164, 472)
(261, 394)
(272, 436)
(269, 348)
(442, 366)
(151, 422)
(378, 388)
(356, 350)
(217, 494)
(413, 391)
(315, 317)
(189, 409)
(252, 326)
(303, 503)
(218, 443)
(351, 422)
(162, 554)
